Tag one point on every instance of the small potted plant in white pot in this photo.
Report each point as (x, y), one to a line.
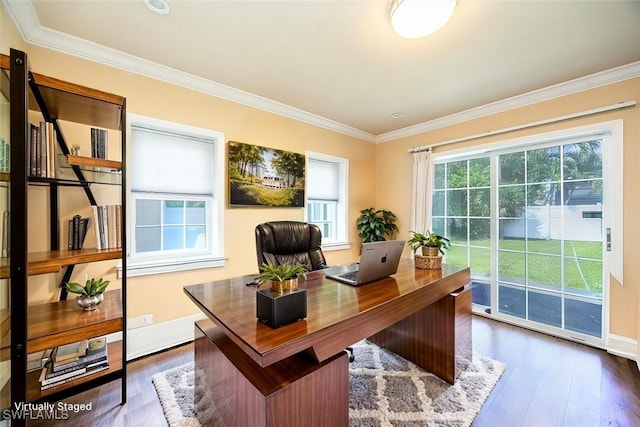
(91, 294)
(283, 277)
(432, 247)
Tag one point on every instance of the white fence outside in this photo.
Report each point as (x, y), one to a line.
(554, 223)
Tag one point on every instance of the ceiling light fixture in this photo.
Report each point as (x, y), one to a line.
(413, 19)
(158, 6)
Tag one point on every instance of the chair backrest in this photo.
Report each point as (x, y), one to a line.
(289, 242)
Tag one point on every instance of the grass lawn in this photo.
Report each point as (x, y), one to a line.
(582, 262)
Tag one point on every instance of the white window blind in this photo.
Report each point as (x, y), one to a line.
(165, 162)
(176, 178)
(327, 198)
(323, 180)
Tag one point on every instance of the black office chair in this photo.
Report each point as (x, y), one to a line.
(291, 242)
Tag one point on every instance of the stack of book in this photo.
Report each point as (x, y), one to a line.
(72, 361)
(107, 224)
(41, 148)
(77, 231)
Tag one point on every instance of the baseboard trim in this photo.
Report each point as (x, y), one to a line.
(160, 336)
(623, 347)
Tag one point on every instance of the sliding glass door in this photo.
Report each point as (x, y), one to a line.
(528, 221)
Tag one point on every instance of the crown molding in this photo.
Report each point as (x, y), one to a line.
(591, 81)
(26, 20)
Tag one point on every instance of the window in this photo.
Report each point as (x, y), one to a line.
(176, 175)
(538, 221)
(461, 202)
(327, 196)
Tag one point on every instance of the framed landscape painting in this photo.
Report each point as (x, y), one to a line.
(260, 176)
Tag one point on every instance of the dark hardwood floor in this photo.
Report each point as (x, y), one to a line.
(548, 382)
(553, 382)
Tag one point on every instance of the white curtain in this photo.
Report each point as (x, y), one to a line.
(421, 191)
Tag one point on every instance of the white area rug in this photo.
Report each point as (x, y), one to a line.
(385, 390)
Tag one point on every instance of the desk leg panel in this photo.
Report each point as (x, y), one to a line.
(290, 393)
(434, 336)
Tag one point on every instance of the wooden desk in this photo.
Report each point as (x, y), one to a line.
(423, 315)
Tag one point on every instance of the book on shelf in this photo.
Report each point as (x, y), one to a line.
(96, 226)
(96, 351)
(118, 226)
(95, 359)
(69, 351)
(48, 376)
(107, 224)
(5, 154)
(111, 225)
(33, 144)
(43, 147)
(77, 231)
(46, 383)
(50, 140)
(98, 143)
(4, 237)
(36, 361)
(41, 150)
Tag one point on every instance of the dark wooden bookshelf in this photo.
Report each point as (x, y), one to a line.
(43, 326)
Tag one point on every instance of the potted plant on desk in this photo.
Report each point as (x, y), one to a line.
(432, 246)
(283, 277)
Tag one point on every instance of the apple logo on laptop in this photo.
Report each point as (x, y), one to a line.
(383, 259)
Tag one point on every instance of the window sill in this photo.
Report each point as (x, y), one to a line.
(337, 246)
(135, 269)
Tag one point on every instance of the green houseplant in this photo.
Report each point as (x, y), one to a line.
(283, 277)
(375, 225)
(432, 244)
(91, 294)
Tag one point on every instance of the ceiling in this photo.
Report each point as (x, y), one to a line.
(339, 61)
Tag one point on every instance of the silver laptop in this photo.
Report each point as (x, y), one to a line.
(377, 261)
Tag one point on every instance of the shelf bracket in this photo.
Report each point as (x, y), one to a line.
(35, 90)
(65, 279)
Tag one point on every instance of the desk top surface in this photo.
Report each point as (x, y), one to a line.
(338, 315)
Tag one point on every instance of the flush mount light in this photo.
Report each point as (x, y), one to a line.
(396, 115)
(413, 19)
(158, 6)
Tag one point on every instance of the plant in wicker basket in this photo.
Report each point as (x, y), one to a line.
(432, 246)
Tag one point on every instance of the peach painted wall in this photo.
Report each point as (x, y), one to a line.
(624, 300)
(162, 295)
(9, 35)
